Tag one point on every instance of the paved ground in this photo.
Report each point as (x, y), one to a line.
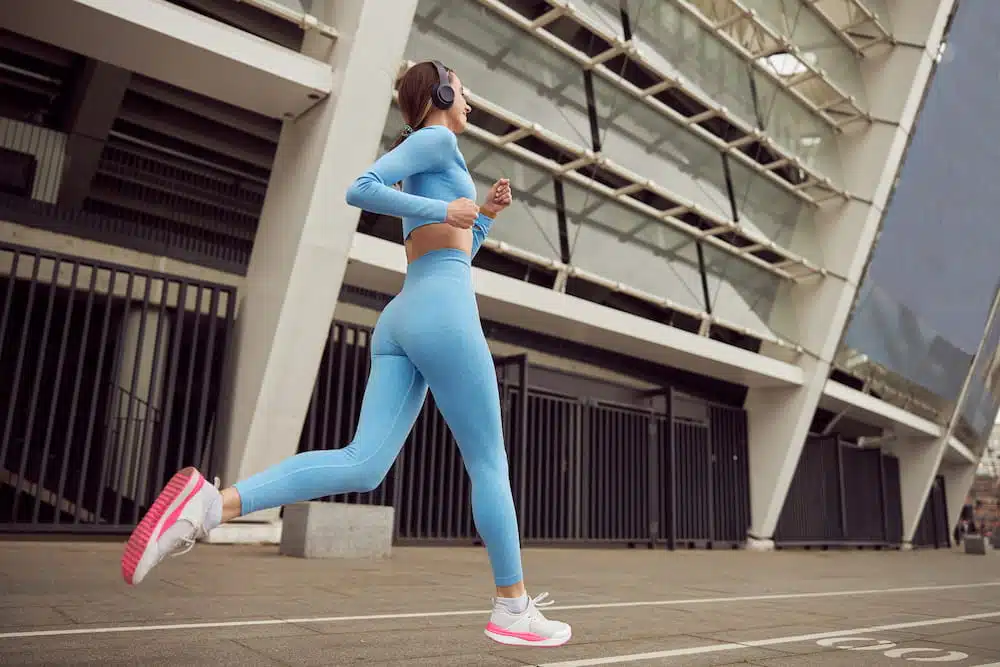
(65, 604)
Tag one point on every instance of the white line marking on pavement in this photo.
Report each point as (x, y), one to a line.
(716, 648)
(392, 617)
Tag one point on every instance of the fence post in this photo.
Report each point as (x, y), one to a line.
(843, 491)
(653, 474)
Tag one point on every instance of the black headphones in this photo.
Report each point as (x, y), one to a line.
(442, 94)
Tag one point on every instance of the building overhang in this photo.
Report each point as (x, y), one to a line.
(205, 56)
(380, 265)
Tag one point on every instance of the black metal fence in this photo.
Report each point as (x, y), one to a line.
(110, 384)
(582, 470)
(842, 495)
(932, 530)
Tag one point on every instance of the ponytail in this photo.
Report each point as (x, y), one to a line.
(407, 131)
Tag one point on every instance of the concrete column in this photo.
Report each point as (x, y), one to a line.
(94, 105)
(815, 313)
(919, 461)
(958, 479)
(138, 396)
(304, 238)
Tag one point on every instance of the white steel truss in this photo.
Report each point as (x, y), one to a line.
(815, 188)
(743, 29)
(854, 22)
(725, 235)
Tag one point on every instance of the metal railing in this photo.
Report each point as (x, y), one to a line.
(582, 470)
(932, 530)
(842, 495)
(111, 384)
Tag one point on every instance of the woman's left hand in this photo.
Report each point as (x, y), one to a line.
(498, 198)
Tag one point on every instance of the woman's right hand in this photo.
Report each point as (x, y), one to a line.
(462, 213)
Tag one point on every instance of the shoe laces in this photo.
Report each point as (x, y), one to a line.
(190, 540)
(537, 601)
(188, 543)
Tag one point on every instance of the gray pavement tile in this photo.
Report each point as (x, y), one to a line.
(893, 651)
(986, 638)
(148, 653)
(112, 642)
(369, 647)
(803, 647)
(464, 660)
(17, 618)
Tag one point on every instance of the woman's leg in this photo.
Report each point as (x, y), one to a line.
(392, 401)
(189, 508)
(457, 364)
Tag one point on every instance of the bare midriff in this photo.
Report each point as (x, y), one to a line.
(436, 236)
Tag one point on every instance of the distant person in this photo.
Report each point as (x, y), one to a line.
(429, 335)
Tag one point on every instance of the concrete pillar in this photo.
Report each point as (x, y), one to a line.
(958, 479)
(815, 313)
(304, 237)
(138, 406)
(94, 106)
(919, 461)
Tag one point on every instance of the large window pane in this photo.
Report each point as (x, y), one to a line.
(936, 259)
(639, 138)
(774, 212)
(503, 64)
(903, 356)
(797, 129)
(820, 45)
(683, 45)
(747, 295)
(723, 73)
(603, 239)
(531, 222)
(979, 410)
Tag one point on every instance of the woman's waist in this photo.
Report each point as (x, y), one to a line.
(440, 265)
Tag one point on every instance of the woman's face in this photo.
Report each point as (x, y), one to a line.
(458, 114)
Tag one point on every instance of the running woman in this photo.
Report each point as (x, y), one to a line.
(428, 336)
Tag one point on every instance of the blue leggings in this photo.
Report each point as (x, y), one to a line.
(428, 335)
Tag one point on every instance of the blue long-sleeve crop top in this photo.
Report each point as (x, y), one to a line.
(433, 172)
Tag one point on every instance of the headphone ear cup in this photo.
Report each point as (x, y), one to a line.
(443, 96)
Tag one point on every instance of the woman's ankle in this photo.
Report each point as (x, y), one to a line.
(514, 591)
(231, 504)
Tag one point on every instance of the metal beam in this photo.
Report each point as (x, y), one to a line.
(846, 26)
(821, 99)
(206, 56)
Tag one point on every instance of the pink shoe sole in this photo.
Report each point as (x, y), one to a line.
(508, 638)
(160, 517)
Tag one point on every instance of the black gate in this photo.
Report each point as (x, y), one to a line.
(582, 470)
(842, 495)
(111, 378)
(932, 529)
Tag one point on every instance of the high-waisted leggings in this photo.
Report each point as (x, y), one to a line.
(428, 336)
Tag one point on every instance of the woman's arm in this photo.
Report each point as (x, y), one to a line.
(427, 149)
(497, 199)
(480, 230)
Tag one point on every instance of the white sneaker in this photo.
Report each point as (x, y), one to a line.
(171, 526)
(529, 628)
